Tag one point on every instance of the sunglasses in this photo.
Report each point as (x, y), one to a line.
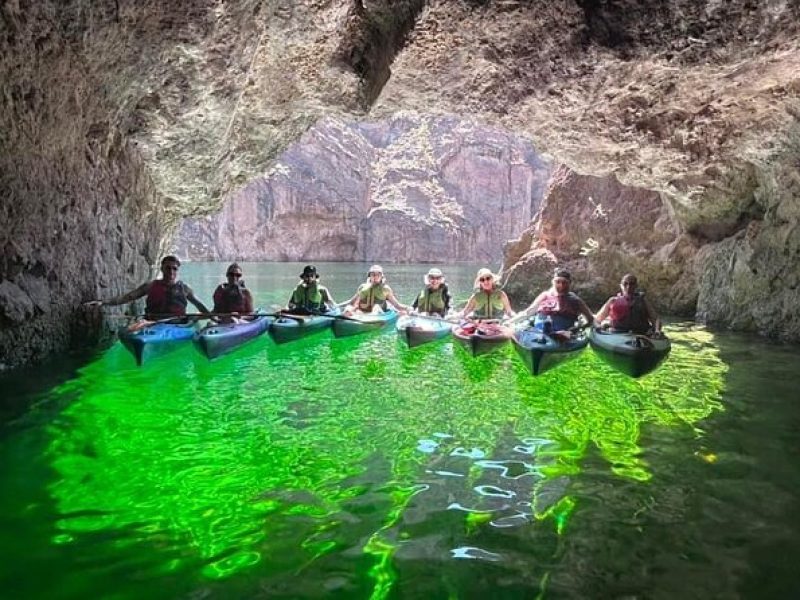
(375, 273)
(234, 274)
(169, 268)
(434, 278)
(628, 283)
(482, 279)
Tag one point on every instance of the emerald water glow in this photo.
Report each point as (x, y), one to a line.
(352, 467)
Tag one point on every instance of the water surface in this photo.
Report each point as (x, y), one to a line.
(356, 468)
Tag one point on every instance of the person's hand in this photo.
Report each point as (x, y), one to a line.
(93, 303)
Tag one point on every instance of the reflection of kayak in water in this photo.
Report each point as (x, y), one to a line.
(416, 331)
(362, 323)
(156, 340)
(481, 338)
(290, 328)
(633, 354)
(220, 338)
(540, 352)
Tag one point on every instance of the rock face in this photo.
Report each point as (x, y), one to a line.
(121, 118)
(406, 189)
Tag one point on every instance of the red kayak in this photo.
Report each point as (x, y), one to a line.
(481, 337)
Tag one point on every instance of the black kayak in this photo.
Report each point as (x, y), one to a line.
(362, 323)
(631, 353)
(221, 338)
(540, 352)
(293, 327)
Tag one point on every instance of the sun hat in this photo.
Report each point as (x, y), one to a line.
(434, 272)
(485, 273)
(309, 270)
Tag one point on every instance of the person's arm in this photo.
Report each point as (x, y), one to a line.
(652, 316)
(534, 306)
(602, 314)
(193, 299)
(507, 305)
(586, 311)
(354, 300)
(446, 297)
(327, 298)
(468, 308)
(248, 301)
(125, 298)
(390, 297)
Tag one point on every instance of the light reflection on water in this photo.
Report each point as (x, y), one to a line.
(358, 468)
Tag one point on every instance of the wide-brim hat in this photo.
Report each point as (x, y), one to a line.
(375, 269)
(485, 273)
(309, 270)
(434, 272)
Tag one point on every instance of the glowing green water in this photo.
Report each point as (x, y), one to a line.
(355, 468)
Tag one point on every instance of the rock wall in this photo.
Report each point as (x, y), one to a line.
(407, 189)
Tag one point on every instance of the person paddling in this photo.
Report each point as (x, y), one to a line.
(434, 299)
(373, 295)
(166, 297)
(557, 309)
(309, 297)
(629, 310)
(232, 296)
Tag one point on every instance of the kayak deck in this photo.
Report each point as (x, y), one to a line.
(156, 340)
(540, 352)
(416, 331)
(221, 338)
(362, 323)
(633, 354)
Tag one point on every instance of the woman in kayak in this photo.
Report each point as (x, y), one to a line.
(309, 297)
(373, 295)
(629, 310)
(232, 296)
(556, 310)
(488, 302)
(166, 297)
(434, 299)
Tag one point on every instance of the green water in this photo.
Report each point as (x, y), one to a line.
(356, 468)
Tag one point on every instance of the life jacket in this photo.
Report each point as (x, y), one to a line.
(309, 297)
(165, 299)
(488, 306)
(432, 301)
(369, 295)
(562, 310)
(628, 313)
(229, 298)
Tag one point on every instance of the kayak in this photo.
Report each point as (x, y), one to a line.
(362, 323)
(216, 339)
(540, 352)
(288, 329)
(631, 353)
(156, 340)
(416, 331)
(481, 339)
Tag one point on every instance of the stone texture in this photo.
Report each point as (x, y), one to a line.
(119, 118)
(407, 189)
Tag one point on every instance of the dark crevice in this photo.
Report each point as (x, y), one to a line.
(375, 32)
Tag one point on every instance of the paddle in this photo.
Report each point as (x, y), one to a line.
(439, 319)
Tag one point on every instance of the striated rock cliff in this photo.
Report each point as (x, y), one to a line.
(408, 189)
(119, 118)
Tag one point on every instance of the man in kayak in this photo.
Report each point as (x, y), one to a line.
(232, 296)
(629, 310)
(373, 295)
(166, 297)
(557, 310)
(309, 297)
(434, 299)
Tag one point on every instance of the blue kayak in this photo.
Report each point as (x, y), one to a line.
(220, 338)
(156, 340)
(293, 327)
(416, 331)
(362, 323)
(540, 352)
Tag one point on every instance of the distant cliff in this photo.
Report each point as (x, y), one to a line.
(406, 189)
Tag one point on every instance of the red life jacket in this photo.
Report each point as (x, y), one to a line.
(553, 305)
(229, 298)
(628, 313)
(165, 299)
